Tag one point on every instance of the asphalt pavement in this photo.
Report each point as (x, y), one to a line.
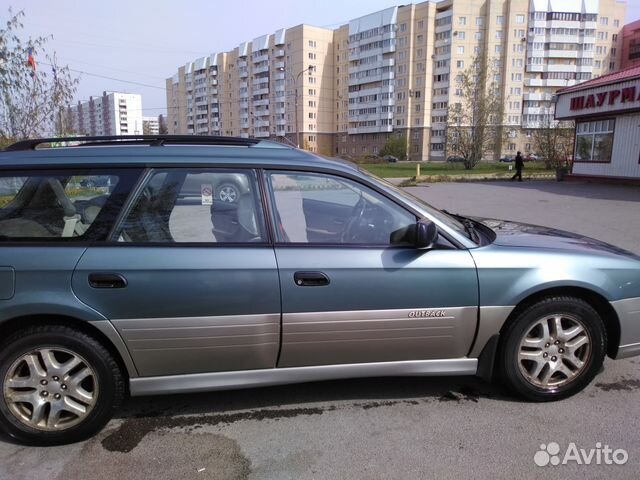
(399, 428)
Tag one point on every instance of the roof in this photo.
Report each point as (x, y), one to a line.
(629, 73)
(261, 154)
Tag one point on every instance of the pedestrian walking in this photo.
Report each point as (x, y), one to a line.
(519, 165)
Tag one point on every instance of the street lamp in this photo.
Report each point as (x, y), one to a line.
(310, 69)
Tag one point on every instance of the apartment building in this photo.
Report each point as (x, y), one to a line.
(113, 113)
(631, 44)
(396, 72)
(278, 85)
(150, 125)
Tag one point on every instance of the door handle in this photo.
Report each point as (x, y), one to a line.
(107, 280)
(310, 279)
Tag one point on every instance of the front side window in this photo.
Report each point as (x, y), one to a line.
(195, 206)
(326, 209)
(594, 141)
(60, 205)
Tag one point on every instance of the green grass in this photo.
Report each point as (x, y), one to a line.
(408, 169)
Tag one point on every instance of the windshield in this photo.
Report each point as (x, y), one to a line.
(447, 219)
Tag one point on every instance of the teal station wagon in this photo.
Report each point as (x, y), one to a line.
(168, 264)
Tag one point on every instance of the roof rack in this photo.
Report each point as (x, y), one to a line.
(151, 140)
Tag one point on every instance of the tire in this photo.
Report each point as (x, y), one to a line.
(545, 365)
(228, 192)
(89, 384)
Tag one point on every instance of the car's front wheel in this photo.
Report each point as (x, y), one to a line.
(59, 385)
(552, 349)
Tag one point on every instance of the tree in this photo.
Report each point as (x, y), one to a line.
(32, 99)
(396, 146)
(553, 140)
(475, 122)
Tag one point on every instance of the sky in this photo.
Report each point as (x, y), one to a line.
(145, 41)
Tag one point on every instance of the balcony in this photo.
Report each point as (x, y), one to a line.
(264, 101)
(243, 74)
(261, 123)
(279, 110)
(261, 69)
(262, 134)
(261, 91)
(279, 53)
(279, 64)
(213, 91)
(260, 58)
(376, 129)
(260, 81)
(242, 64)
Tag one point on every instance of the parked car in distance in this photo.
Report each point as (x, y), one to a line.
(507, 159)
(390, 158)
(455, 159)
(317, 270)
(530, 157)
(228, 188)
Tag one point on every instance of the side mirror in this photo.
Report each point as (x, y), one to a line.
(426, 234)
(422, 234)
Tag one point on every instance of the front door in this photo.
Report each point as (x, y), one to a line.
(348, 295)
(189, 278)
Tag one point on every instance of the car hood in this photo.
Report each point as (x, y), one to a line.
(515, 234)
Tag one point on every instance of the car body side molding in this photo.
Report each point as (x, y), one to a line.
(205, 382)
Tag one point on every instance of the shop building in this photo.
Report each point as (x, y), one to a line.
(606, 112)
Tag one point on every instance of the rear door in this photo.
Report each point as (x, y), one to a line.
(348, 295)
(189, 276)
(47, 220)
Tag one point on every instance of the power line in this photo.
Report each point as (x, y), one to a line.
(109, 78)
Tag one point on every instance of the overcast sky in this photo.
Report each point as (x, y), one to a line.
(146, 41)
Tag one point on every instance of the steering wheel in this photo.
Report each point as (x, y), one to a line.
(350, 233)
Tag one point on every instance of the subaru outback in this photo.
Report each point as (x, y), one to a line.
(155, 283)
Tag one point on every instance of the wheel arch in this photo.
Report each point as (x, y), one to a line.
(103, 331)
(598, 302)
(487, 357)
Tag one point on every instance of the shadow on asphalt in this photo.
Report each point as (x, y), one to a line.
(599, 191)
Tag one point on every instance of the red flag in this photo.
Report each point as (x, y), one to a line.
(31, 61)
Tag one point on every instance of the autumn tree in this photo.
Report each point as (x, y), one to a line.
(34, 87)
(476, 114)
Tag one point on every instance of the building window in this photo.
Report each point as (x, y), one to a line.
(616, 23)
(594, 141)
(461, 35)
(479, 21)
(478, 36)
(499, 19)
(462, 20)
(403, 27)
(520, 19)
(604, 20)
(461, 49)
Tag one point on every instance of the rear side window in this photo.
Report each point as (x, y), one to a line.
(195, 206)
(61, 205)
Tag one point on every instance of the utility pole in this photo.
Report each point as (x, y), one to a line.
(310, 69)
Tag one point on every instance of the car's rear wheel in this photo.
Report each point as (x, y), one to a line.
(553, 349)
(59, 385)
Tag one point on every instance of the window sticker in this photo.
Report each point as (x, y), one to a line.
(206, 194)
